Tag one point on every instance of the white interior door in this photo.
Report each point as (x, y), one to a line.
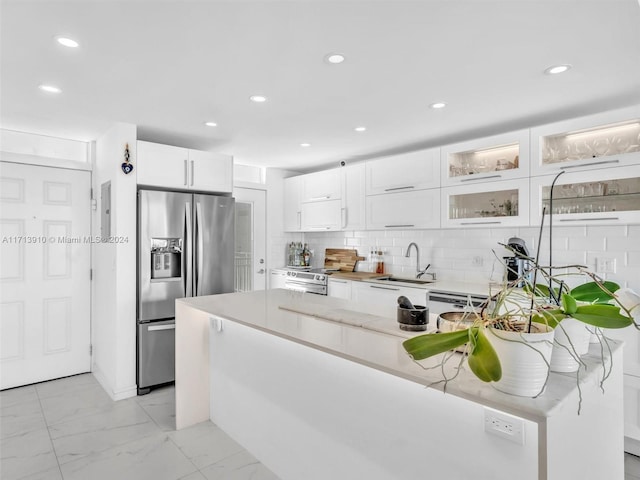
(251, 240)
(44, 276)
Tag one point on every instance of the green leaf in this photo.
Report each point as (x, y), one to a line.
(483, 359)
(540, 290)
(603, 316)
(549, 317)
(592, 292)
(569, 304)
(425, 346)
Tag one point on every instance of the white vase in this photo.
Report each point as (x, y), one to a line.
(524, 358)
(571, 340)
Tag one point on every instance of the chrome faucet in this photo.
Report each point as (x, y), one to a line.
(419, 273)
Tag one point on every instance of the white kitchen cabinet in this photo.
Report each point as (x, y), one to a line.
(603, 197)
(322, 186)
(406, 210)
(405, 172)
(604, 140)
(339, 288)
(322, 216)
(181, 168)
(353, 197)
(488, 159)
(386, 296)
(293, 204)
(631, 413)
(503, 203)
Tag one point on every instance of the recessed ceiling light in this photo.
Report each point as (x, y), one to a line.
(67, 42)
(360, 129)
(258, 98)
(438, 105)
(49, 89)
(334, 58)
(557, 69)
(211, 124)
(305, 144)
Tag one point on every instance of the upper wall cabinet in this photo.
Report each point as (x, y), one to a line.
(503, 203)
(353, 197)
(404, 210)
(403, 173)
(180, 168)
(293, 204)
(603, 197)
(605, 140)
(499, 157)
(321, 186)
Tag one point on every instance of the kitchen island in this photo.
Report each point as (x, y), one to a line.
(317, 387)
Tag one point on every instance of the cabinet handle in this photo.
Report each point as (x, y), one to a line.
(396, 226)
(476, 179)
(480, 223)
(319, 228)
(322, 197)
(384, 288)
(186, 173)
(398, 188)
(343, 215)
(156, 328)
(337, 281)
(192, 172)
(587, 219)
(299, 220)
(604, 162)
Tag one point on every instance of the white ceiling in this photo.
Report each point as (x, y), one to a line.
(169, 66)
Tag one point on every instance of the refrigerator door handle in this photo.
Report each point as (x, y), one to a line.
(187, 264)
(199, 250)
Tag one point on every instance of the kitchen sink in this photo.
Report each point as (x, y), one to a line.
(416, 281)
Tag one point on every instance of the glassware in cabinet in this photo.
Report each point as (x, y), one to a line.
(498, 157)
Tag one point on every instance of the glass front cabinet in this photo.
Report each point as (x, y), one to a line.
(495, 158)
(605, 140)
(604, 196)
(497, 204)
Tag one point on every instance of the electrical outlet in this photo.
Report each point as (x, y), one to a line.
(605, 265)
(477, 261)
(506, 426)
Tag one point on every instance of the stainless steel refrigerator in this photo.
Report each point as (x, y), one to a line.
(185, 249)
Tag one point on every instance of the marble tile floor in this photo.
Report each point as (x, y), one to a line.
(69, 429)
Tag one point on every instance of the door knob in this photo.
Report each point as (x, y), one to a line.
(261, 270)
(261, 261)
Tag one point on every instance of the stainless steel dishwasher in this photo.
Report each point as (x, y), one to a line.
(440, 301)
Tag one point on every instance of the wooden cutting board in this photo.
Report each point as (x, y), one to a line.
(341, 258)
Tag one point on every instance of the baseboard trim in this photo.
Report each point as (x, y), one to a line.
(119, 394)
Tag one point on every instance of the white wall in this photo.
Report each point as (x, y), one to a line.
(114, 266)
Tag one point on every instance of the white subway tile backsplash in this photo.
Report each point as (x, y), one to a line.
(593, 242)
(608, 231)
(630, 244)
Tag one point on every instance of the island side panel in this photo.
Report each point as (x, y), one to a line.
(309, 414)
(192, 366)
(589, 446)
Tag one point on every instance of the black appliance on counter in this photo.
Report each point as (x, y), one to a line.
(518, 266)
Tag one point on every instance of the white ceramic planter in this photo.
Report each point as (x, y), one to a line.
(524, 358)
(571, 339)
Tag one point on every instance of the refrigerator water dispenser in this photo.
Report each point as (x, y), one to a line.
(166, 258)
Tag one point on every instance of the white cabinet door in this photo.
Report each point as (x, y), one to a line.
(605, 196)
(339, 288)
(353, 197)
(321, 216)
(603, 140)
(419, 209)
(495, 203)
(408, 171)
(321, 186)
(162, 165)
(386, 296)
(210, 172)
(293, 204)
(631, 414)
(487, 159)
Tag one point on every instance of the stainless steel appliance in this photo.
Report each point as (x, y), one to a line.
(303, 280)
(441, 301)
(518, 267)
(185, 249)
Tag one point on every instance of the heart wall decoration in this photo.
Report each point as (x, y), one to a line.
(127, 167)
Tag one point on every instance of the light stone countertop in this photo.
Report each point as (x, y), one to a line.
(370, 336)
